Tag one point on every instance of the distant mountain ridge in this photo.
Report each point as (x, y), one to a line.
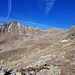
(22, 30)
(13, 25)
(15, 34)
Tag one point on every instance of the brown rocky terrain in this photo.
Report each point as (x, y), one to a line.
(46, 52)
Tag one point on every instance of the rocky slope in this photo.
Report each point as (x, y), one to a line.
(45, 52)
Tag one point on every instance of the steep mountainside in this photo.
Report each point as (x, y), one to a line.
(49, 52)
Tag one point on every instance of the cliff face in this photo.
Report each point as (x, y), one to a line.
(52, 49)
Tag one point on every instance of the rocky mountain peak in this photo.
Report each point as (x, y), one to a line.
(15, 27)
(72, 28)
(7, 27)
(72, 32)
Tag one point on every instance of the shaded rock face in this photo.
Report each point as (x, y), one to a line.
(3, 28)
(8, 27)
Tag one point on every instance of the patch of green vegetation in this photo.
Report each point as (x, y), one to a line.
(67, 44)
(18, 73)
(1, 72)
(54, 70)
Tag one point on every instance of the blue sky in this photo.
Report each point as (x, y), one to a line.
(43, 14)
